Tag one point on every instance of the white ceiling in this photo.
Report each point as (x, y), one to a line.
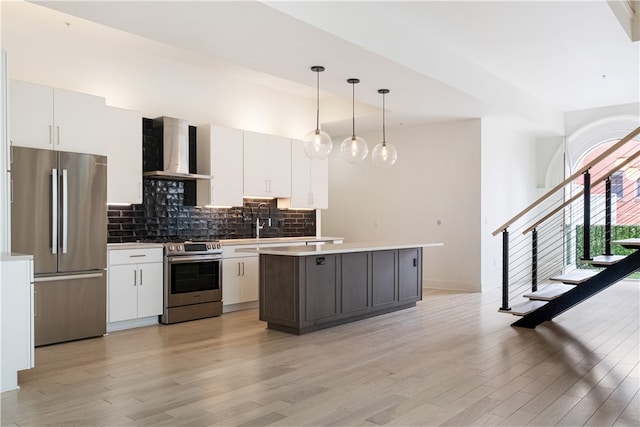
(446, 60)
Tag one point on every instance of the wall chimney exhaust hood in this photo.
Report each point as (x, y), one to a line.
(169, 152)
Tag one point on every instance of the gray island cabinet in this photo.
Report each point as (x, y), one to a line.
(303, 289)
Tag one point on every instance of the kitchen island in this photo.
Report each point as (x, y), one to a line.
(306, 288)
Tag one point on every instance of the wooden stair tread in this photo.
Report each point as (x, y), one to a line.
(575, 277)
(524, 308)
(629, 243)
(605, 260)
(550, 292)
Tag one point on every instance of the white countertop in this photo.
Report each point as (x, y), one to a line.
(231, 242)
(341, 248)
(134, 245)
(14, 256)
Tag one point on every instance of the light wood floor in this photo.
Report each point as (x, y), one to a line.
(453, 360)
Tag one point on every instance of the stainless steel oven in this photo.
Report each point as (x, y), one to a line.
(192, 281)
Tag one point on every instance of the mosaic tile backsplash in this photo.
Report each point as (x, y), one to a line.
(166, 215)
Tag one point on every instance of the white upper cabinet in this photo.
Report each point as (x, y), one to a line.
(124, 156)
(56, 119)
(219, 155)
(267, 165)
(309, 181)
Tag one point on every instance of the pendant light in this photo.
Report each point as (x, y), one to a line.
(354, 149)
(317, 143)
(384, 154)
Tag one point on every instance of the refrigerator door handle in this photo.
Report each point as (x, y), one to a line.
(65, 211)
(55, 278)
(54, 211)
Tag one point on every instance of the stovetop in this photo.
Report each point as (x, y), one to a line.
(191, 247)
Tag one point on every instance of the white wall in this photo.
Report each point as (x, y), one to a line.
(149, 77)
(436, 178)
(508, 185)
(576, 120)
(5, 188)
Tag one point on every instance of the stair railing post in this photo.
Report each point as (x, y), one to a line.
(587, 217)
(607, 217)
(505, 271)
(534, 260)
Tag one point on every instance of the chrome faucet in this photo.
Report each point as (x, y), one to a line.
(268, 222)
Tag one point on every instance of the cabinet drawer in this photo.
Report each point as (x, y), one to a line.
(135, 256)
(230, 251)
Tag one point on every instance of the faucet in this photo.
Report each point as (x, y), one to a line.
(268, 222)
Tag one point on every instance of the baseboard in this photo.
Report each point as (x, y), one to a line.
(450, 286)
(132, 323)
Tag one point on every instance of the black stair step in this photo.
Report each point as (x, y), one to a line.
(575, 277)
(550, 292)
(606, 260)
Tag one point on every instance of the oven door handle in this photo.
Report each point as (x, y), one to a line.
(197, 258)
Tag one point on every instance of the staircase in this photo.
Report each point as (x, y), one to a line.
(576, 287)
(542, 274)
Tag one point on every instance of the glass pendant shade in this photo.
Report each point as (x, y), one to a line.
(354, 149)
(384, 155)
(317, 143)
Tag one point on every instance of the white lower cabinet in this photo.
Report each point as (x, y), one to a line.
(17, 349)
(240, 280)
(241, 274)
(135, 284)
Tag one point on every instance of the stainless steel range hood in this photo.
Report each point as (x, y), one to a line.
(175, 152)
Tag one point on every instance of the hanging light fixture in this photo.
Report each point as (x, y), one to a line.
(354, 149)
(384, 154)
(317, 143)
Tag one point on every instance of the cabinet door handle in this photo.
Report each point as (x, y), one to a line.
(213, 194)
(415, 262)
(58, 134)
(50, 135)
(238, 269)
(243, 268)
(35, 304)
(320, 260)
(140, 276)
(135, 278)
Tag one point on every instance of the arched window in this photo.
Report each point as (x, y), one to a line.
(624, 182)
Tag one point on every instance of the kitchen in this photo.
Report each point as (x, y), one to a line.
(147, 216)
(275, 112)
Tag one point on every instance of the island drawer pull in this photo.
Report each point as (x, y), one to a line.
(320, 260)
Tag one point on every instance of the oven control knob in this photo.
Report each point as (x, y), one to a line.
(171, 248)
(180, 248)
(218, 246)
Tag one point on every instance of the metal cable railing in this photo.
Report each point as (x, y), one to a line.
(554, 234)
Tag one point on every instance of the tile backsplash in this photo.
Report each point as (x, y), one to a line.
(166, 215)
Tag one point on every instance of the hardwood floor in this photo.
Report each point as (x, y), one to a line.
(453, 360)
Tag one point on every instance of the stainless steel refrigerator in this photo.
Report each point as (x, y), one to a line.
(59, 215)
